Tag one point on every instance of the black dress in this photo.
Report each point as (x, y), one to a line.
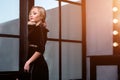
(37, 37)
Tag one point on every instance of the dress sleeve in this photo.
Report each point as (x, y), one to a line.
(42, 40)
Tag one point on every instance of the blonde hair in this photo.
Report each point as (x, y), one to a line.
(42, 13)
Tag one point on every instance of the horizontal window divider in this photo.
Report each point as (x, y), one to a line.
(9, 35)
(71, 2)
(64, 40)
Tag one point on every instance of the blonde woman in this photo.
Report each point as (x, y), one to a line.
(36, 65)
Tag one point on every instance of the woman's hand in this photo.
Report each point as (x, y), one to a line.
(27, 67)
(31, 23)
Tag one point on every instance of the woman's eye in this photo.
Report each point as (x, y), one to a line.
(34, 13)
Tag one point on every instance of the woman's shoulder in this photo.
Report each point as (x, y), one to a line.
(44, 27)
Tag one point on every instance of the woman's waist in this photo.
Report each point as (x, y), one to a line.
(32, 44)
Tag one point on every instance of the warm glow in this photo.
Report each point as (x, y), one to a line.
(115, 44)
(115, 9)
(115, 32)
(115, 21)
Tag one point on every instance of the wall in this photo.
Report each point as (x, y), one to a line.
(99, 27)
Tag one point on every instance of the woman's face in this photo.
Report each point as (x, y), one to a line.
(34, 15)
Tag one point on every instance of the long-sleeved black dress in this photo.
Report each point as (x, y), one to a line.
(37, 37)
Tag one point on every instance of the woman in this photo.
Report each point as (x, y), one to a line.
(36, 65)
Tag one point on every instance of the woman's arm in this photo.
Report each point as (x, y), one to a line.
(32, 59)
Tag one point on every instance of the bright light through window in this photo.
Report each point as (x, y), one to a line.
(49, 4)
(9, 12)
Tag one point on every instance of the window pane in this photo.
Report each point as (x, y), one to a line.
(9, 17)
(9, 54)
(71, 61)
(52, 18)
(52, 57)
(71, 22)
(111, 71)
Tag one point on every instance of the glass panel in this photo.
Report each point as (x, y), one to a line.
(9, 17)
(71, 61)
(9, 54)
(52, 57)
(52, 18)
(110, 72)
(71, 22)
